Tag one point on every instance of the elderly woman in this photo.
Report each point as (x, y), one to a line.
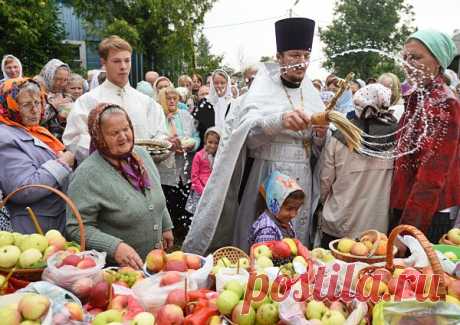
(162, 82)
(30, 154)
(175, 171)
(56, 76)
(353, 185)
(117, 191)
(427, 175)
(11, 67)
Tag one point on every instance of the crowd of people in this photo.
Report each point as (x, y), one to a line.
(246, 162)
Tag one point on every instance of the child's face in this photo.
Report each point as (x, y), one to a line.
(289, 210)
(212, 142)
(75, 89)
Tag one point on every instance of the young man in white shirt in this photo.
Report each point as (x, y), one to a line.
(146, 115)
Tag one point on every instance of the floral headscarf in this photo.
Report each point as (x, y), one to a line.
(373, 101)
(9, 112)
(276, 189)
(131, 165)
(49, 70)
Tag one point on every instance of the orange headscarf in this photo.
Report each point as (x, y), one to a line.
(9, 112)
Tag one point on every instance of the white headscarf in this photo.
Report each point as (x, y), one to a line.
(6, 57)
(220, 104)
(49, 70)
(95, 78)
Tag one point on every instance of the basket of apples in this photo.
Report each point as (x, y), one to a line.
(370, 248)
(393, 282)
(26, 255)
(282, 253)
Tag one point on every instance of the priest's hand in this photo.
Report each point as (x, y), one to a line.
(296, 120)
(125, 255)
(168, 239)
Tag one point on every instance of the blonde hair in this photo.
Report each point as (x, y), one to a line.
(115, 43)
(9, 59)
(182, 79)
(395, 86)
(75, 77)
(162, 97)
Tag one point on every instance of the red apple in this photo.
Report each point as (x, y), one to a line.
(177, 297)
(170, 315)
(95, 311)
(174, 265)
(82, 287)
(170, 278)
(71, 260)
(119, 303)
(193, 261)
(412, 276)
(280, 250)
(86, 263)
(99, 296)
(76, 312)
(156, 260)
(392, 285)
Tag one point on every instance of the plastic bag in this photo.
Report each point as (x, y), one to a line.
(152, 296)
(59, 297)
(14, 298)
(229, 273)
(415, 312)
(200, 276)
(67, 275)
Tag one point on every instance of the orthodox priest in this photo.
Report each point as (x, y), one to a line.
(274, 133)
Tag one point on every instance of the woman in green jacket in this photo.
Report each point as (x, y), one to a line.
(118, 193)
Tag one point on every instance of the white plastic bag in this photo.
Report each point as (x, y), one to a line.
(67, 275)
(152, 296)
(229, 273)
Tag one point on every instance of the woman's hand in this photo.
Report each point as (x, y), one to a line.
(67, 158)
(125, 255)
(168, 239)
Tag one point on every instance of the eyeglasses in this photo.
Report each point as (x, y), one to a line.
(29, 105)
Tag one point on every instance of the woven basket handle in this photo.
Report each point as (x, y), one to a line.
(427, 247)
(67, 200)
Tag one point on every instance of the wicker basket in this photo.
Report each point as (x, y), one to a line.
(427, 247)
(230, 252)
(370, 258)
(34, 274)
(446, 241)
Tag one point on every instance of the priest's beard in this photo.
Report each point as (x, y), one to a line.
(294, 76)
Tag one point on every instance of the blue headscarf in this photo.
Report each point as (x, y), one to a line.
(276, 188)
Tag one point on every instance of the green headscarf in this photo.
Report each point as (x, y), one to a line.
(441, 46)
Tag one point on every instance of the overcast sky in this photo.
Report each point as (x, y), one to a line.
(245, 43)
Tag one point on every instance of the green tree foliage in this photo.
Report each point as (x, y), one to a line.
(32, 31)
(358, 24)
(205, 61)
(163, 30)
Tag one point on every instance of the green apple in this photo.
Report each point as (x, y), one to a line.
(267, 314)
(143, 318)
(243, 319)
(34, 241)
(262, 250)
(345, 245)
(322, 254)
(6, 238)
(29, 257)
(9, 316)
(235, 286)
(226, 301)
(333, 317)
(33, 306)
(315, 309)
(18, 238)
(107, 317)
(9, 256)
(30, 322)
(216, 269)
(263, 262)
